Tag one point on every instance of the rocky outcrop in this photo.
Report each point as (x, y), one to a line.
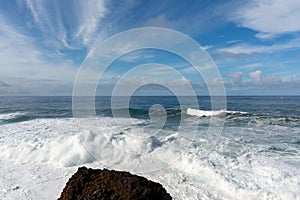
(96, 184)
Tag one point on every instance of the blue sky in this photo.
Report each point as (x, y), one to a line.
(255, 43)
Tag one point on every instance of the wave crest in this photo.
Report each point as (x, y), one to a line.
(209, 113)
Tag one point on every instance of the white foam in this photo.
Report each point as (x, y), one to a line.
(208, 113)
(38, 156)
(61, 143)
(7, 116)
(251, 175)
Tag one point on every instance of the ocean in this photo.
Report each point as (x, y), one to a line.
(256, 155)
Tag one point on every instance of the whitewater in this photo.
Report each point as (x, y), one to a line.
(256, 157)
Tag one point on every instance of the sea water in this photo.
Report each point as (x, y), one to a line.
(256, 156)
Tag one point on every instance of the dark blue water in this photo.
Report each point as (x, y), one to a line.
(282, 110)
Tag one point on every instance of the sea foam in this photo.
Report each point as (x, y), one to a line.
(43, 153)
(7, 116)
(208, 113)
(61, 143)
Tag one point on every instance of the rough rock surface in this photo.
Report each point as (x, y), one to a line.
(96, 184)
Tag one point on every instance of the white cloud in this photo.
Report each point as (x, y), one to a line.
(189, 70)
(31, 5)
(136, 56)
(24, 65)
(258, 82)
(77, 23)
(89, 15)
(179, 83)
(269, 17)
(161, 21)
(252, 49)
(256, 76)
(49, 22)
(237, 76)
(20, 56)
(215, 82)
(206, 47)
(233, 42)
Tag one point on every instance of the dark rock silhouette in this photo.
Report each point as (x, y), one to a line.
(97, 184)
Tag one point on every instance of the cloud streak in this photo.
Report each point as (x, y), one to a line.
(247, 49)
(78, 23)
(24, 63)
(89, 16)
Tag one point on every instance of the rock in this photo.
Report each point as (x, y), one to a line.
(97, 184)
(101, 194)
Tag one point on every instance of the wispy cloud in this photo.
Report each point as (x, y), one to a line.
(78, 23)
(50, 24)
(233, 42)
(269, 17)
(206, 47)
(47, 40)
(258, 49)
(162, 21)
(20, 56)
(21, 59)
(89, 16)
(136, 56)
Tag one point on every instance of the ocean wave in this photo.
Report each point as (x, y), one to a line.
(61, 143)
(7, 116)
(13, 117)
(208, 113)
(249, 170)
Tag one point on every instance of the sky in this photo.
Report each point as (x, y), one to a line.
(254, 43)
